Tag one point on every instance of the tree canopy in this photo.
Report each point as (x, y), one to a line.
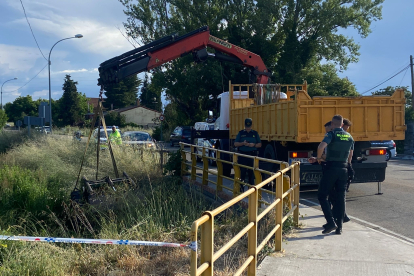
(150, 96)
(290, 36)
(3, 118)
(72, 105)
(122, 94)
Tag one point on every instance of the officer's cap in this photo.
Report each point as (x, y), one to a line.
(248, 122)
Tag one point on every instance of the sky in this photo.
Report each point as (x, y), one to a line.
(384, 52)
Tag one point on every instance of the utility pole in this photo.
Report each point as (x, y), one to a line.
(412, 82)
(409, 133)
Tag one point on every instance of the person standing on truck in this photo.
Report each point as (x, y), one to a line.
(340, 146)
(351, 173)
(247, 141)
(115, 136)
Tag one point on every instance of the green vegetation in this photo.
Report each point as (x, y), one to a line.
(37, 175)
(3, 118)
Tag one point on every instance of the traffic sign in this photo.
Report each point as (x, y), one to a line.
(162, 118)
(19, 123)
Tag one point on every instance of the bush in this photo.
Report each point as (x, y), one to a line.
(173, 165)
(23, 191)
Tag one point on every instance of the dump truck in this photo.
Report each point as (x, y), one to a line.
(288, 120)
(291, 125)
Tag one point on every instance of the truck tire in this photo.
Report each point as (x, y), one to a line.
(225, 145)
(269, 153)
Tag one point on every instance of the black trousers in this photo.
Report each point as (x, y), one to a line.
(247, 162)
(335, 176)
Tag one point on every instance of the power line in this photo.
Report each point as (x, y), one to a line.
(28, 81)
(32, 30)
(387, 79)
(404, 75)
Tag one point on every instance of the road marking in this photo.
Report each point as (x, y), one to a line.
(372, 226)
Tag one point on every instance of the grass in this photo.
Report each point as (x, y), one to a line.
(36, 178)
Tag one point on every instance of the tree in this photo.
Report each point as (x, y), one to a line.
(3, 118)
(150, 96)
(21, 107)
(323, 80)
(287, 34)
(72, 104)
(122, 94)
(113, 118)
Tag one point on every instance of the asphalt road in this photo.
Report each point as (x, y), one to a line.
(393, 210)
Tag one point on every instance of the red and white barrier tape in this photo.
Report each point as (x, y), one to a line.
(192, 246)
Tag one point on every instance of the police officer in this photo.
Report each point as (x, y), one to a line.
(340, 147)
(351, 173)
(248, 142)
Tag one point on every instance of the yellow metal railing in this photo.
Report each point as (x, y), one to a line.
(286, 187)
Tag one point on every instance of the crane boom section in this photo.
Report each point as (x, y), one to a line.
(171, 47)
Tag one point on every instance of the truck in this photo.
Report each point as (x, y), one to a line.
(289, 122)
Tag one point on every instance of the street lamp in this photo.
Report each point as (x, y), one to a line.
(50, 91)
(2, 91)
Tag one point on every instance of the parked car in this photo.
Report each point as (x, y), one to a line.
(389, 144)
(180, 134)
(103, 140)
(140, 139)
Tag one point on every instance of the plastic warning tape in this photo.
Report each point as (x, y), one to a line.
(192, 246)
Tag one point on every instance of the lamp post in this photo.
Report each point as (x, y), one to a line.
(2, 91)
(50, 91)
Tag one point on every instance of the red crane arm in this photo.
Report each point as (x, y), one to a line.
(171, 47)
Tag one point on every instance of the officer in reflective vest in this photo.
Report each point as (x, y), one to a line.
(340, 147)
(248, 141)
(115, 136)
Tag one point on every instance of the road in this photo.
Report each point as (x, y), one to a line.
(393, 210)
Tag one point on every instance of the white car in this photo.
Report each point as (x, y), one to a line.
(139, 139)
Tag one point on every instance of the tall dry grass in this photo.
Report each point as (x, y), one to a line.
(36, 177)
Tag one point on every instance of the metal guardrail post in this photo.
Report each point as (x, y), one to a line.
(252, 234)
(287, 201)
(219, 172)
(207, 244)
(193, 162)
(296, 180)
(257, 176)
(237, 174)
(279, 212)
(205, 167)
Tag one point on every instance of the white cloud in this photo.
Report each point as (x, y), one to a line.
(68, 18)
(40, 94)
(72, 71)
(17, 58)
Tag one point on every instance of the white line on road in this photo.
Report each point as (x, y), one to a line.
(373, 226)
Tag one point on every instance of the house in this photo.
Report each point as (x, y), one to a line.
(139, 115)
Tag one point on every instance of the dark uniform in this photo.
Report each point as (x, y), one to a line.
(335, 174)
(250, 137)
